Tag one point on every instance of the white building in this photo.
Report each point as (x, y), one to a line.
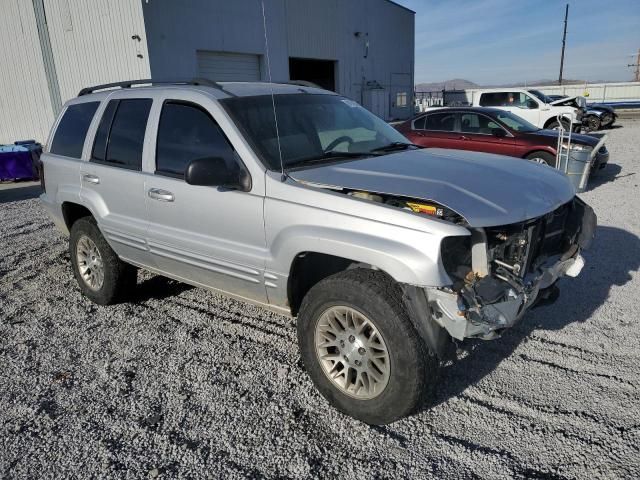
(50, 49)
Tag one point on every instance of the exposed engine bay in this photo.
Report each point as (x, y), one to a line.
(507, 269)
(500, 272)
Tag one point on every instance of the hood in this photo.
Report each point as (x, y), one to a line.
(575, 101)
(575, 137)
(486, 189)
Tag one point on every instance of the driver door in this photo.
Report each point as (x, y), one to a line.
(208, 235)
(524, 106)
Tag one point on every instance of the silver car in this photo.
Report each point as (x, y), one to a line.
(301, 201)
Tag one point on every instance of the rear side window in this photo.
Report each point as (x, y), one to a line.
(120, 136)
(494, 99)
(419, 123)
(445, 122)
(187, 132)
(72, 129)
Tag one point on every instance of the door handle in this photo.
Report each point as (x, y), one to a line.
(462, 137)
(162, 195)
(87, 177)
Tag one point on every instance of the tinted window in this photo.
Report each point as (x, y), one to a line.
(493, 99)
(126, 138)
(419, 123)
(187, 132)
(441, 121)
(72, 129)
(474, 123)
(99, 151)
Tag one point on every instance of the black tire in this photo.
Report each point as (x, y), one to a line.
(119, 277)
(554, 125)
(593, 123)
(547, 157)
(413, 368)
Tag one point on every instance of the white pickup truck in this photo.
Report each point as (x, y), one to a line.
(527, 105)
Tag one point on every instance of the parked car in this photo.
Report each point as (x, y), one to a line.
(528, 106)
(494, 131)
(595, 115)
(383, 251)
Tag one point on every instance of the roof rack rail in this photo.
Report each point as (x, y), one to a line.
(304, 83)
(148, 81)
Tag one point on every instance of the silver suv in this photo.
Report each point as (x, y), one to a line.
(301, 201)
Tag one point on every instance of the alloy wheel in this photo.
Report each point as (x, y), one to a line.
(90, 263)
(352, 352)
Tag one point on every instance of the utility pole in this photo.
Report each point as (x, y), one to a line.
(636, 77)
(564, 41)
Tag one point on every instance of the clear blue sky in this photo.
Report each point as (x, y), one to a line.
(505, 41)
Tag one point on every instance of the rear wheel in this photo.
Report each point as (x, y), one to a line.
(101, 275)
(360, 348)
(542, 157)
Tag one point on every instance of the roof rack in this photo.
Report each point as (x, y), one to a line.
(304, 83)
(149, 81)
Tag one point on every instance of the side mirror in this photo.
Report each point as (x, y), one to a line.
(532, 104)
(214, 172)
(498, 132)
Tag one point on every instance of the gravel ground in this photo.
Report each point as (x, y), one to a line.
(181, 382)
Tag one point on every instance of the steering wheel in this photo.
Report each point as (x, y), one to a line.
(337, 142)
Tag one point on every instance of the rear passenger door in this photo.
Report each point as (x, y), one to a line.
(437, 130)
(112, 179)
(208, 235)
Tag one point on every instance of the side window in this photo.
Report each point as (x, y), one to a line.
(187, 132)
(527, 102)
(99, 151)
(445, 122)
(120, 135)
(126, 137)
(493, 99)
(419, 123)
(72, 129)
(470, 123)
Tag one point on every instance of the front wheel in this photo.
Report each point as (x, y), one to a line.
(542, 157)
(360, 348)
(555, 125)
(593, 123)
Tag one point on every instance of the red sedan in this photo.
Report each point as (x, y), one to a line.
(493, 131)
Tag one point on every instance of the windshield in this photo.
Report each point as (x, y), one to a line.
(311, 127)
(541, 96)
(516, 123)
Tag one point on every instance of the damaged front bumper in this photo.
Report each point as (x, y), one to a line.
(451, 310)
(510, 267)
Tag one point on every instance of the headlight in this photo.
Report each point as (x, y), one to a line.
(577, 147)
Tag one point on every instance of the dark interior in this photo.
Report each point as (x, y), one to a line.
(320, 72)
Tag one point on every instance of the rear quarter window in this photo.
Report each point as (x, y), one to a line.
(69, 137)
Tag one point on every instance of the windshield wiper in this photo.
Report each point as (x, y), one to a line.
(393, 146)
(330, 155)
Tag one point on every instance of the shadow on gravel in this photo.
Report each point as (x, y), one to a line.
(18, 192)
(157, 288)
(613, 257)
(608, 174)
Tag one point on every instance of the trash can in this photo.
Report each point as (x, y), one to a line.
(577, 166)
(20, 161)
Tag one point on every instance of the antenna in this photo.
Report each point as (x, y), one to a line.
(283, 176)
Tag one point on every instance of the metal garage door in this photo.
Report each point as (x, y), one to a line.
(229, 67)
